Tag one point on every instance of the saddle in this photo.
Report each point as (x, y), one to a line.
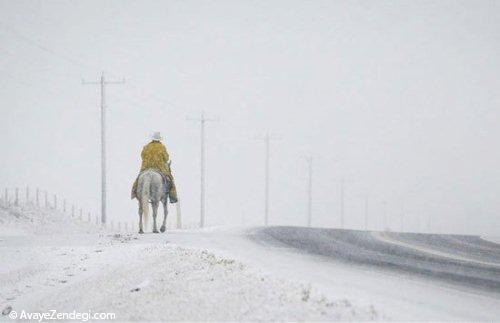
(166, 182)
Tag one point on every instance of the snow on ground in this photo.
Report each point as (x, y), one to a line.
(28, 219)
(399, 296)
(50, 262)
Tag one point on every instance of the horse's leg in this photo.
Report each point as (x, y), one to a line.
(140, 218)
(155, 211)
(165, 212)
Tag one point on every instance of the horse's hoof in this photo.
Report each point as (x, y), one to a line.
(155, 231)
(162, 229)
(141, 232)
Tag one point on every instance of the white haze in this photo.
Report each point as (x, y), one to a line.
(401, 98)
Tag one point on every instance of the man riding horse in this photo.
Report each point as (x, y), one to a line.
(155, 156)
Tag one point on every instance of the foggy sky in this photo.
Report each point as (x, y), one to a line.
(399, 98)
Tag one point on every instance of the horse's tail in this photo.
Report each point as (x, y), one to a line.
(145, 197)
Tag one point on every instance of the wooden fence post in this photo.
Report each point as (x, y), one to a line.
(55, 202)
(27, 194)
(64, 205)
(16, 201)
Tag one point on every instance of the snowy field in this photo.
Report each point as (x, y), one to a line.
(50, 262)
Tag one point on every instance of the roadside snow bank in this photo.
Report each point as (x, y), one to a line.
(53, 262)
(141, 280)
(29, 219)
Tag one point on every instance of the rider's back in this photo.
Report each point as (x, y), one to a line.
(154, 155)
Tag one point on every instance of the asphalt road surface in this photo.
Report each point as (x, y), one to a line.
(459, 259)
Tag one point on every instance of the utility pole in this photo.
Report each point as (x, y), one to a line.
(402, 215)
(267, 140)
(342, 182)
(202, 120)
(309, 191)
(385, 228)
(266, 198)
(102, 82)
(366, 212)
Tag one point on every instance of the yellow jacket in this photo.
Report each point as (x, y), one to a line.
(155, 155)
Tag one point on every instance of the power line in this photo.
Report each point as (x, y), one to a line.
(28, 40)
(48, 92)
(75, 62)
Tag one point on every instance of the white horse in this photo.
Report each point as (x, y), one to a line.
(152, 188)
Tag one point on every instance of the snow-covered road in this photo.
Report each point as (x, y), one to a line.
(216, 274)
(465, 260)
(397, 294)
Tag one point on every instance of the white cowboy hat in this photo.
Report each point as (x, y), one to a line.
(156, 136)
